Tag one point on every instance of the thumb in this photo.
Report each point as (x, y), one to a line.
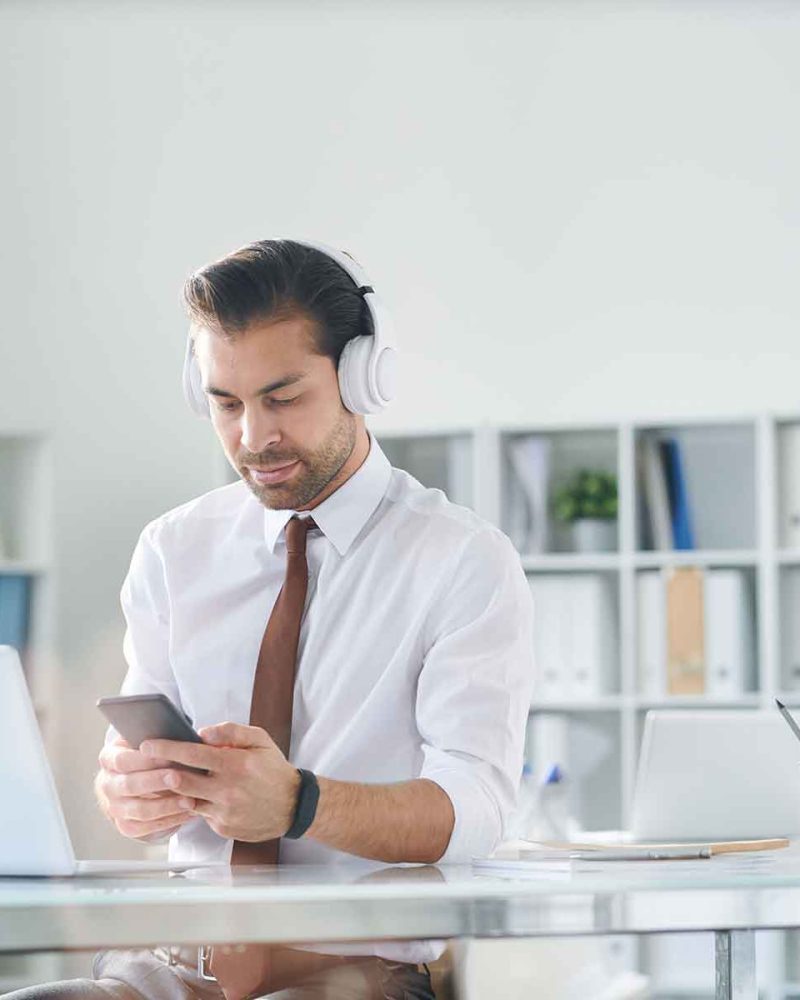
(232, 734)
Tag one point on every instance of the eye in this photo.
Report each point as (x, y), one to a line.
(283, 402)
(227, 406)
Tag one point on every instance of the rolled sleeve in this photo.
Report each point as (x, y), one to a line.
(474, 691)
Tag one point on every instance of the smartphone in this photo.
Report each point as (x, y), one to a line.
(140, 717)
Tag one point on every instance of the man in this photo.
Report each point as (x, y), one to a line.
(410, 671)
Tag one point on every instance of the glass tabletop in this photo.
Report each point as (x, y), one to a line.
(368, 901)
(357, 879)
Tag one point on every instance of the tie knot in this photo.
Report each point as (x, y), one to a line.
(296, 531)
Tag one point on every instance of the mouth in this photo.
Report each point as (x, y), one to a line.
(274, 475)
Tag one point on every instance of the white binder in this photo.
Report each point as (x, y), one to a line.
(574, 636)
(551, 649)
(591, 629)
(729, 633)
(789, 485)
(790, 629)
(651, 634)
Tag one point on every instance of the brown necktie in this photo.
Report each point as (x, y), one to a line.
(243, 971)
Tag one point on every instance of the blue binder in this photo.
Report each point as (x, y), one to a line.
(15, 595)
(682, 533)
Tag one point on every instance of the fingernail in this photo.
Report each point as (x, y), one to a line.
(146, 748)
(185, 803)
(170, 780)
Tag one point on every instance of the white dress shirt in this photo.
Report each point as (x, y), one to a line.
(415, 657)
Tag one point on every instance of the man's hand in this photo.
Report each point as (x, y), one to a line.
(250, 792)
(130, 790)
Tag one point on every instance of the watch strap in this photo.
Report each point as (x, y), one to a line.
(306, 810)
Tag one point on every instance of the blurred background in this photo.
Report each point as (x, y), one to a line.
(582, 215)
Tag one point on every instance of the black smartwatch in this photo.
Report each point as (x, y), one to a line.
(307, 799)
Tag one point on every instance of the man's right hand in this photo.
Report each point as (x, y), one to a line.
(131, 792)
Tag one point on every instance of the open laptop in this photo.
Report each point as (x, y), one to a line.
(712, 774)
(34, 839)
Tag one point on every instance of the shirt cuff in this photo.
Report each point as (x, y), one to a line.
(477, 827)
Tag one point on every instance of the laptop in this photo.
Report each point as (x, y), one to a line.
(708, 774)
(34, 839)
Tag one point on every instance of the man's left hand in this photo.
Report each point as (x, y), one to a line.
(250, 792)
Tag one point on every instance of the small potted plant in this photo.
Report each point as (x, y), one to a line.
(588, 502)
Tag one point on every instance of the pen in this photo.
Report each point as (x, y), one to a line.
(788, 716)
(678, 854)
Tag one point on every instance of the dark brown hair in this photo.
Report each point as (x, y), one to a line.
(272, 279)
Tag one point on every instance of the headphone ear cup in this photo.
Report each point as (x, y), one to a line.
(366, 376)
(353, 374)
(193, 384)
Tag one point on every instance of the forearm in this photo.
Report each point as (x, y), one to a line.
(406, 821)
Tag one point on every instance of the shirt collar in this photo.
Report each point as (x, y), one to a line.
(344, 513)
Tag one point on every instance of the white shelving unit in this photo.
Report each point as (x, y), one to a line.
(743, 476)
(26, 498)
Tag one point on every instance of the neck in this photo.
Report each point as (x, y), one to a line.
(354, 462)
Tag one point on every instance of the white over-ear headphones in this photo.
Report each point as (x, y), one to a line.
(367, 366)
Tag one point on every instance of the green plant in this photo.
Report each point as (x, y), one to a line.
(588, 494)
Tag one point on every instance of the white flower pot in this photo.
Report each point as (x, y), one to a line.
(594, 534)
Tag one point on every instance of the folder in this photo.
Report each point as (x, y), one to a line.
(790, 628)
(521, 857)
(685, 632)
(789, 485)
(574, 636)
(656, 496)
(729, 633)
(651, 634)
(550, 639)
(682, 533)
(590, 635)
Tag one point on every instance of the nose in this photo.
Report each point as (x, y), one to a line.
(259, 428)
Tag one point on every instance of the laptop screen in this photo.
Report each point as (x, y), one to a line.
(33, 835)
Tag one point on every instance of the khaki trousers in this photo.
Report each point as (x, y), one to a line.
(148, 974)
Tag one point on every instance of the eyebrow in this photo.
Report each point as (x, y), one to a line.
(270, 387)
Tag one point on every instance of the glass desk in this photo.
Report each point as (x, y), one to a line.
(731, 895)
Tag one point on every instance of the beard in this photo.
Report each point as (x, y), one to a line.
(317, 468)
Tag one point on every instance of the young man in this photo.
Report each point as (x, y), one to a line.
(412, 670)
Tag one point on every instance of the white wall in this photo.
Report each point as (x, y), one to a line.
(575, 210)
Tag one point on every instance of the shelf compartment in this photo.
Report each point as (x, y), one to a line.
(439, 461)
(718, 462)
(25, 498)
(534, 467)
(588, 749)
